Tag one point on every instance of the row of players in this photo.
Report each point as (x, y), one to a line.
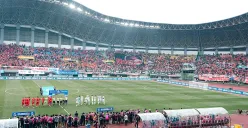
(37, 101)
(93, 100)
(80, 100)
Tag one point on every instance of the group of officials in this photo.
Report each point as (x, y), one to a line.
(90, 100)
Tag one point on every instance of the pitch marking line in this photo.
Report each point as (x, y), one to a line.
(65, 110)
(7, 91)
(36, 84)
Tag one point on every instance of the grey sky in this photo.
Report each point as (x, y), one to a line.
(169, 11)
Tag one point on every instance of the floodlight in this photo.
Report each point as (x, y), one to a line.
(131, 24)
(106, 20)
(65, 3)
(122, 23)
(117, 22)
(152, 26)
(79, 9)
(147, 26)
(126, 24)
(136, 25)
(72, 6)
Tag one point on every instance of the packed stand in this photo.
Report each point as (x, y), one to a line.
(91, 61)
(224, 64)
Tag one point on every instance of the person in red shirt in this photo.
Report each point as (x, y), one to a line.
(33, 102)
(37, 101)
(43, 100)
(28, 101)
(23, 101)
(50, 100)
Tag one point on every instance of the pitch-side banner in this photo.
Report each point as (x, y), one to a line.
(9, 123)
(30, 72)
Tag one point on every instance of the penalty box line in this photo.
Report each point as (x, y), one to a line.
(64, 109)
(59, 105)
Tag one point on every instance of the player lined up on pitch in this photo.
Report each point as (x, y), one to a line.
(90, 100)
(37, 101)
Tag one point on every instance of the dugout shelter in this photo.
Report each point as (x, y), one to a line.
(201, 117)
(150, 120)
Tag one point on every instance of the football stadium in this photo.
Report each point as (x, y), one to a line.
(65, 65)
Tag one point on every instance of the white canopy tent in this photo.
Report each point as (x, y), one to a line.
(212, 111)
(151, 116)
(181, 113)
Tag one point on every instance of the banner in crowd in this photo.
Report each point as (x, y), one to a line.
(66, 72)
(57, 92)
(29, 72)
(246, 80)
(210, 77)
(9, 123)
(53, 69)
(45, 69)
(122, 58)
(39, 68)
(16, 114)
(109, 61)
(26, 57)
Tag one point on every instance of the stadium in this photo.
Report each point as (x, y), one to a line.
(115, 71)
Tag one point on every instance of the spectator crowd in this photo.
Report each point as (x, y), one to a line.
(99, 61)
(103, 119)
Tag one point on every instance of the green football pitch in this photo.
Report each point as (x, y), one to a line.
(118, 94)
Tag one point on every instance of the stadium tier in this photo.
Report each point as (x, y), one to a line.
(58, 57)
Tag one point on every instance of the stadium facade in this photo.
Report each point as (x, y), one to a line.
(67, 24)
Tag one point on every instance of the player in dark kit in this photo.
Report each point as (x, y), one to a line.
(41, 92)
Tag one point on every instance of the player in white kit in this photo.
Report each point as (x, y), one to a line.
(94, 100)
(87, 100)
(78, 101)
(99, 99)
(82, 100)
(103, 100)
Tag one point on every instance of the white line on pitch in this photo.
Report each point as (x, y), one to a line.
(64, 109)
(36, 84)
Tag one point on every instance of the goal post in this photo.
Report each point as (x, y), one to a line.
(198, 85)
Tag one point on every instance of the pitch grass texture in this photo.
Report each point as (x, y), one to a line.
(118, 94)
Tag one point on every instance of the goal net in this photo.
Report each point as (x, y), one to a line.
(198, 85)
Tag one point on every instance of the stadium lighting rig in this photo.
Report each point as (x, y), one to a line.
(106, 20)
(79, 9)
(72, 5)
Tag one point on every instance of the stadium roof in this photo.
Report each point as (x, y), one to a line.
(77, 21)
(169, 11)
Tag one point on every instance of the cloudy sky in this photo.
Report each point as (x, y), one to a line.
(169, 11)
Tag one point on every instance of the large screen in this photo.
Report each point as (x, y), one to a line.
(46, 89)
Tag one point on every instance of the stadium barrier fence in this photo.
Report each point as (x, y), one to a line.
(212, 88)
(69, 78)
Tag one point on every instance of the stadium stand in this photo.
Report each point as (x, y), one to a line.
(221, 67)
(49, 34)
